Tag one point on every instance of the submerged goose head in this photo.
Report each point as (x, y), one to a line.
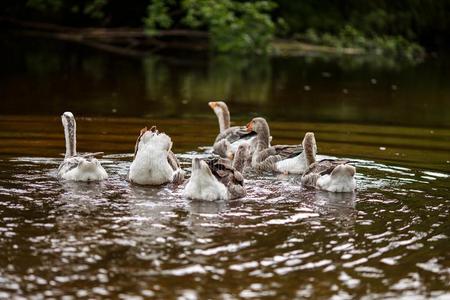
(223, 114)
(310, 147)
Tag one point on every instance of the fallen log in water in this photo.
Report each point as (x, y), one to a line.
(128, 41)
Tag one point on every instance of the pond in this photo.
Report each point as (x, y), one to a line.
(116, 240)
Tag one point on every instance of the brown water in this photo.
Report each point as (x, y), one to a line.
(390, 239)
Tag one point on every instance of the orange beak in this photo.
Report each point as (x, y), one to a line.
(212, 104)
(250, 127)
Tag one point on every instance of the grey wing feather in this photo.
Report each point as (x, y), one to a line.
(68, 164)
(234, 134)
(288, 151)
(178, 176)
(283, 151)
(268, 164)
(325, 166)
(226, 174)
(318, 169)
(173, 161)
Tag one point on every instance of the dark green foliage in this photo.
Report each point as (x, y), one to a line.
(246, 26)
(349, 37)
(234, 26)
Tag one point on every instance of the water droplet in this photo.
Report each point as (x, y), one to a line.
(382, 148)
(307, 88)
(345, 91)
(373, 81)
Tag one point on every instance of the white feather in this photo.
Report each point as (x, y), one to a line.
(86, 170)
(204, 186)
(294, 165)
(150, 166)
(341, 183)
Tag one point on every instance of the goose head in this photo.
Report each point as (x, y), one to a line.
(223, 114)
(310, 147)
(260, 126)
(68, 119)
(219, 107)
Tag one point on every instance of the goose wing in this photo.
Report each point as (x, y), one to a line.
(282, 151)
(325, 166)
(225, 172)
(234, 134)
(173, 160)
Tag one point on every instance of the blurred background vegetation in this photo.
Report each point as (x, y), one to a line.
(402, 28)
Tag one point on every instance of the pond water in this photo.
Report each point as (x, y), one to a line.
(390, 239)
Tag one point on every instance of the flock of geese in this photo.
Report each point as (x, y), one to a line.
(237, 151)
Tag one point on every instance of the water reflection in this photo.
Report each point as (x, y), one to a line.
(61, 76)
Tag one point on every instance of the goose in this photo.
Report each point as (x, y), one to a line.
(332, 175)
(217, 179)
(278, 158)
(154, 163)
(77, 167)
(229, 138)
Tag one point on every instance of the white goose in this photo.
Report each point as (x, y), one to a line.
(333, 175)
(229, 138)
(154, 162)
(78, 167)
(217, 179)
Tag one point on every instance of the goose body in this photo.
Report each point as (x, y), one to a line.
(78, 167)
(203, 185)
(217, 179)
(330, 175)
(229, 138)
(154, 163)
(278, 158)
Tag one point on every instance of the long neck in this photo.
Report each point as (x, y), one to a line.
(263, 138)
(224, 119)
(310, 153)
(70, 131)
(239, 160)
